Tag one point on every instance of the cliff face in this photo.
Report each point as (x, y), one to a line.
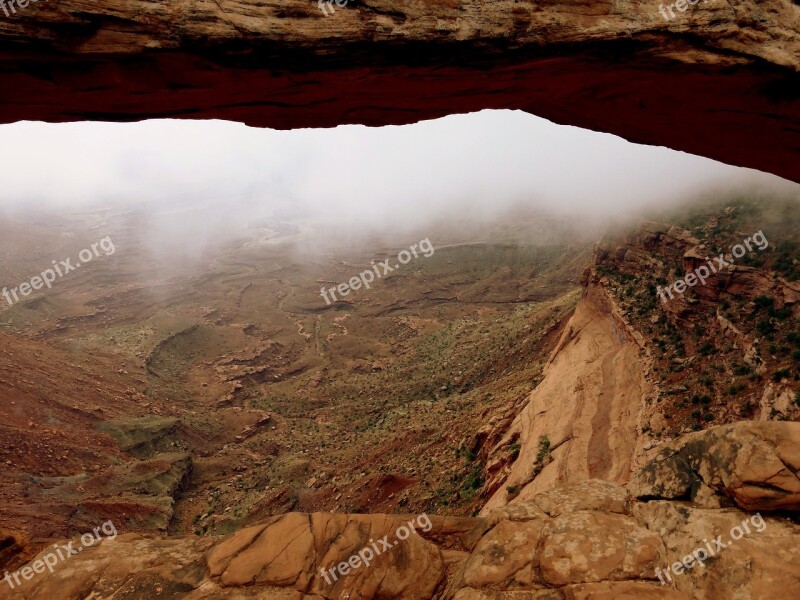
(720, 79)
(634, 368)
(724, 349)
(62, 468)
(582, 421)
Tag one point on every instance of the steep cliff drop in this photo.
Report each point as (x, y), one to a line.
(581, 421)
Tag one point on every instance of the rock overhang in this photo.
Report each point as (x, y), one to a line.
(721, 82)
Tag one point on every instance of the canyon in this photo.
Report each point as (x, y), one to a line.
(568, 434)
(551, 425)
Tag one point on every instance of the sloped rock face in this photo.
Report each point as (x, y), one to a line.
(60, 472)
(143, 437)
(590, 540)
(719, 79)
(711, 350)
(294, 549)
(581, 420)
(137, 494)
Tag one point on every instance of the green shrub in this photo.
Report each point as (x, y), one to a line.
(474, 480)
(543, 456)
(544, 449)
(780, 374)
(742, 370)
(765, 327)
(707, 348)
(763, 302)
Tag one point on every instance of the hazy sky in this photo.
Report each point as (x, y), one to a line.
(481, 161)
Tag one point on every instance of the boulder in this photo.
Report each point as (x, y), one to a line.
(759, 558)
(298, 551)
(755, 464)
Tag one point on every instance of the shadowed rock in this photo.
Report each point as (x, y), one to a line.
(756, 464)
(719, 79)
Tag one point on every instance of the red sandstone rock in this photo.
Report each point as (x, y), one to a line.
(719, 80)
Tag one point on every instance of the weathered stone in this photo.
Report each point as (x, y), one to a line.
(504, 555)
(280, 555)
(134, 566)
(756, 464)
(760, 564)
(586, 541)
(591, 546)
(622, 590)
(292, 550)
(591, 494)
(577, 423)
(726, 72)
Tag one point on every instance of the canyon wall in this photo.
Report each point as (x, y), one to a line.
(582, 420)
(634, 368)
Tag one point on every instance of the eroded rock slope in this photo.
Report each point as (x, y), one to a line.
(587, 540)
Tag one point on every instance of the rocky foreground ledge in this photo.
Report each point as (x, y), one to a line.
(586, 540)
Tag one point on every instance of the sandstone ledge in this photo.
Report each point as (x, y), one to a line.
(586, 540)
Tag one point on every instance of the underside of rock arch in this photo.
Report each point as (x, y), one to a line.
(719, 79)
